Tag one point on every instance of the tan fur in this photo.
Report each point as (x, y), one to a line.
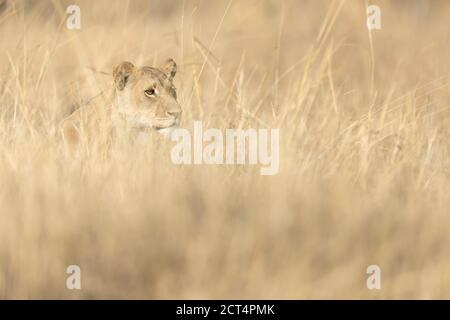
(143, 100)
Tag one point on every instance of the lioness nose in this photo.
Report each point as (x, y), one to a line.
(174, 113)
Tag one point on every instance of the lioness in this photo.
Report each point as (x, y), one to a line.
(143, 99)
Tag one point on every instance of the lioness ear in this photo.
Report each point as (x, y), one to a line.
(169, 68)
(121, 73)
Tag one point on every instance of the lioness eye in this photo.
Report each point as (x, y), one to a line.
(149, 92)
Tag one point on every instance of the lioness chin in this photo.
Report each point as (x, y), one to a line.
(142, 100)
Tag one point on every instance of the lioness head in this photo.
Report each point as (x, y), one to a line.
(146, 96)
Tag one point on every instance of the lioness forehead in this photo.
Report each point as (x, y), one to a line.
(152, 73)
(148, 76)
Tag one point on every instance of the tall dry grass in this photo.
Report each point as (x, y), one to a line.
(364, 156)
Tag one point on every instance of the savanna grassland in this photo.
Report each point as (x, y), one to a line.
(364, 176)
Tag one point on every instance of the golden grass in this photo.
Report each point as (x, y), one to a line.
(364, 155)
